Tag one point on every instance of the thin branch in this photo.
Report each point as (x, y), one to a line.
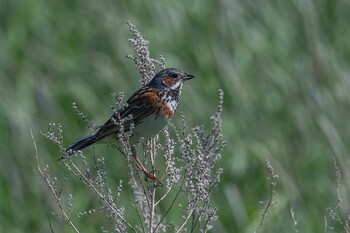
(91, 185)
(171, 206)
(164, 196)
(194, 222)
(206, 203)
(48, 218)
(140, 220)
(273, 181)
(186, 220)
(295, 222)
(153, 189)
(132, 179)
(52, 189)
(151, 218)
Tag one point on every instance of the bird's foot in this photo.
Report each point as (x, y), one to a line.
(150, 175)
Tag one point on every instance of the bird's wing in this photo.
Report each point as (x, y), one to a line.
(141, 104)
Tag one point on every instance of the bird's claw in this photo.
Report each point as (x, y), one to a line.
(150, 176)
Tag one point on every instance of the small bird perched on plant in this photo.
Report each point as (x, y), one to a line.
(146, 113)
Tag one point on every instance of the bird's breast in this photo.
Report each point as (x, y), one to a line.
(148, 127)
(168, 105)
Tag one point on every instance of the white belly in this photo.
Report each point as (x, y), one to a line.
(148, 128)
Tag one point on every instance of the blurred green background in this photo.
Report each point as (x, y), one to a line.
(284, 67)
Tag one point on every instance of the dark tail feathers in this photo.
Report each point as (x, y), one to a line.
(79, 145)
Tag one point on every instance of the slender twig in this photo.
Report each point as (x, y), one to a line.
(338, 184)
(148, 201)
(338, 181)
(153, 197)
(49, 219)
(194, 222)
(295, 222)
(186, 219)
(133, 180)
(273, 180)
(141, 182)
(164, 196)
(92, 187)
(52, 189)
(153, 188)
(140, 220)
(202, 210)
(171, 206)
(268, 205)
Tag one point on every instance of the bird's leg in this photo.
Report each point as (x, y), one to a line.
(148, 174)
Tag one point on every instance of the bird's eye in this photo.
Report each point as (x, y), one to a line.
(174, 75)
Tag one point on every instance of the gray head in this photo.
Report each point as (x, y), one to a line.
(170, 79)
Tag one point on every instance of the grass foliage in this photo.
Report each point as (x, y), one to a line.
(284, 68)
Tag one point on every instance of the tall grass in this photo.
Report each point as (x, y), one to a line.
(283, 65)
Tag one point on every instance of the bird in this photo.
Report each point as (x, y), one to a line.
(144, 115)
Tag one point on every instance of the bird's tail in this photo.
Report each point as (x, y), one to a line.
(79, 145)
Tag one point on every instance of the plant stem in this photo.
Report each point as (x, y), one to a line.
(153, 188)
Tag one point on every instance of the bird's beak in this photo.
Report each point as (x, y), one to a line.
(188, 76)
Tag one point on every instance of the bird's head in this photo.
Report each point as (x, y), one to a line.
(170, 79)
